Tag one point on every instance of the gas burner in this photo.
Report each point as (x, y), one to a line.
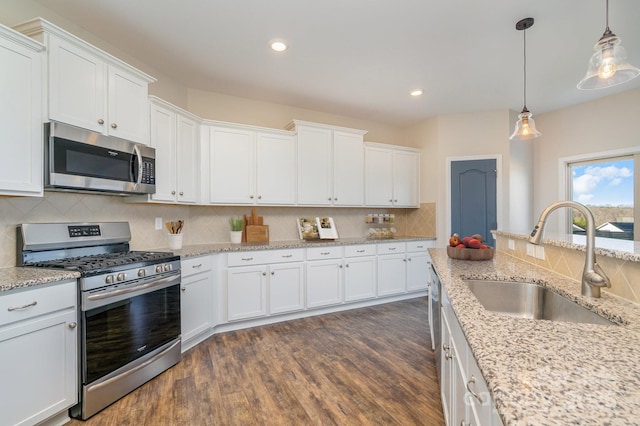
(105, 261)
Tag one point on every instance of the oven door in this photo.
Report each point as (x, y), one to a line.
(122, 324)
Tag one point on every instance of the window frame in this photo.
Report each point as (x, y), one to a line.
(565, 181)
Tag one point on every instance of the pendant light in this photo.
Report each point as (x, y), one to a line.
(608, 66)
(525, 126)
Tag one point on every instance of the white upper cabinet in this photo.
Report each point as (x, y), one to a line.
(392, 176)
(330, 164)
(91, 89)
(175, 136)
(21, 162)
(250, 165)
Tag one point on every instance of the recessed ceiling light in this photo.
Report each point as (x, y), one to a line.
(416, 92)
(278, 46)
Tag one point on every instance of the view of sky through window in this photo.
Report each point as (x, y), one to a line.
(607, 183)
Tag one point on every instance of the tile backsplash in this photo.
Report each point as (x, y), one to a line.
(204, 224)
(624, 275)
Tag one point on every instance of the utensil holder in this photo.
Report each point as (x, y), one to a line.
(175, 241)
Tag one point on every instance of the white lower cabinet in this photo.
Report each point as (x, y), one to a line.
(246, 292)
(286, 288)
(465, 396)
(418, 271)
(38, 353)
(392, 273)
(359, 278)
(196, 299)
(324, 282)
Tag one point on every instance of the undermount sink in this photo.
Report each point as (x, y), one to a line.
(529, 300)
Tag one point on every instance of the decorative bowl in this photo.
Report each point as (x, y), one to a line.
(470, 254)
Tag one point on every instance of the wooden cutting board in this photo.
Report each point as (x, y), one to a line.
(257, 233)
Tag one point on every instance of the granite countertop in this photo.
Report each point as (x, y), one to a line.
(549, 372)
(21, 277)
(203, 249)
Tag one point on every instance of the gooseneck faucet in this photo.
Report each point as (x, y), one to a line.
(593, 277)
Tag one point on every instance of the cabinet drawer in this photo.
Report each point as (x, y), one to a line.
(325, 252)
(264, 257)
(361, 250)
(38, 301)
(196, 265)
(418, 245)
(391, 248)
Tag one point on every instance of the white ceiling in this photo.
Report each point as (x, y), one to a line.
(360, 58)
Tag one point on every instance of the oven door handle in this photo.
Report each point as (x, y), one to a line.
(114, 293)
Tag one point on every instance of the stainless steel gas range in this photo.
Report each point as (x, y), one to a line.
(129, 305)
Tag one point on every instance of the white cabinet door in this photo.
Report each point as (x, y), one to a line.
(447, 367)
(324, 283)
(38, 353)
(232, 166)
(187, 159)
(378, 176)
(246, 292)
(406, 179)
(21, 162)
(418, 271)
(128, 100)
(196, 304)
(163, 135)
(348, 169)
(286, 287)
(276, 171)
(359, 278)
(392, 274)
(315, 175)
(77, 86)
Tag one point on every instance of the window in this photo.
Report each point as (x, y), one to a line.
(606, 186)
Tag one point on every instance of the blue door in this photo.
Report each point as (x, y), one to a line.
(473, 198)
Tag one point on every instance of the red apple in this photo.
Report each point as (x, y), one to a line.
(473, 243)
(461, 246)
(454, 240)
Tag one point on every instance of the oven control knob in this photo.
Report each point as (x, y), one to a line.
(109, 279)
(167, 267)
(142, 272)
(159, 269)
(121, 276)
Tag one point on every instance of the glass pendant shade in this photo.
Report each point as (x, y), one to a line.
(525, 127)
(608, 66)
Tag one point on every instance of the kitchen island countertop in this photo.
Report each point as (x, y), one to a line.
(549, 372)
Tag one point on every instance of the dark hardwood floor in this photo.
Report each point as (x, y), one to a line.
(370, 366)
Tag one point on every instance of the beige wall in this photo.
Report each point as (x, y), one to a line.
(13, 12)
(605, 124)
(217, 106)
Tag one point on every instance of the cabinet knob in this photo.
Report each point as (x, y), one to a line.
(329, 198)
(183, 288)
(251, 196)
(273, 273)
(335, 199)
(72, 325)
(100, 121)
(181, 193)
(409, 259)
(391, 200)
(264, 274)
(259, 197)
(395, 201)
(347, 265)
(114, 126)
(340, 266)
(173, 192)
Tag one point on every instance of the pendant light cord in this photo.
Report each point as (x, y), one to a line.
(525, 67)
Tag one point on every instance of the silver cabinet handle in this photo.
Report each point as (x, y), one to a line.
(181, 193)
(199, 265)
(359, 251)
(20, 308)
(100, 121)
(391, 248)
(173, 192)
(183, 288)
(114, 126)
(247, 258)
(472, 381)
(72, 325)
(324, 253)
(286, 256)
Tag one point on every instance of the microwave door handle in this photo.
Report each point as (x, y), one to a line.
(138, 155)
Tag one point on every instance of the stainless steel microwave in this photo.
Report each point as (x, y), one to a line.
(85, 161)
